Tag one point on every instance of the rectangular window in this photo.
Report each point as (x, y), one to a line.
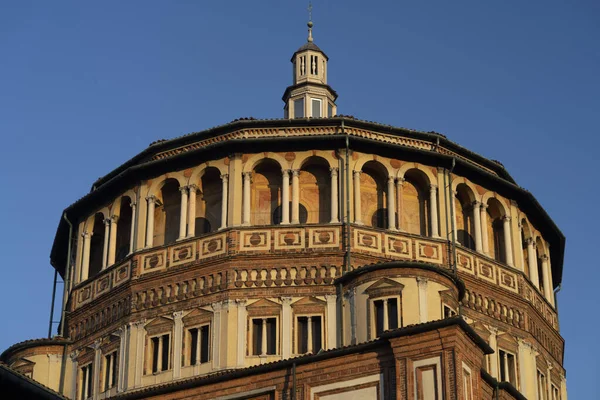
(316, 108)
(329, 110)
(110, 370)
(507, 367)
(448, 312)
(467, 385)
(555, 393)
(386, 315)
(309, 336)
(85, 380)
(542, 387)
(299, 108)
(161, 352)
(264, 336)
(199, 341)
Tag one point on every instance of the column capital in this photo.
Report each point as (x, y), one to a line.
(433, 186)
(183, 189)
(285, 171)
(484, 206)
(334, 171)
(295, 172)
(241, 302)
(107, 221)
(247, 175)
(218, 306)
(550, 365)
(400, 181)
(225, 177)
(422, 281)
(330, 298)
(151, 199)
(529, 241)
(138, 324)
(476, 204)
(178, 315)
(391, 179)
(506, 218)
(73, 355)
(133, 204)
(357, 173)
(286, 301)
(544, 257)
(96, 345)
(114, 218)
(493, 330)
(193, 188)
(86, 234)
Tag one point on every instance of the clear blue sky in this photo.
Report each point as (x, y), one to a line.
(84, 86)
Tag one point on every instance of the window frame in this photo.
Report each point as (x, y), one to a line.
(514, 366)
(297, 331)
(187, 356)
(373, 319)
(150, 367)
(249, 346)
(541, 381)
(106, 373)
(312, 114)
(90, 378)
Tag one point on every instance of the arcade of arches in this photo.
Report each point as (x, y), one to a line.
(272, 195)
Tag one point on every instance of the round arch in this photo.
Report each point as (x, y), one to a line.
(253, 160)
(159, 182)
(410, 166)
(359, 164)
(303, 158)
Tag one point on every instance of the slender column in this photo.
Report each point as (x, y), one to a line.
(549, 380)
(139, 352)
(506, 374)
(85, 382)
(106, 239)
(225, 183)
(334, 195)
(386, 317)
(309, 335)
(112, 243)
(507, 241)
(198, 342)
(241, 332)
(546, 278)
(246, 198)
(183, 212)
(422, 285)
(285, 197)
(520, 247)
(263, 344)
(391, 204)
(357, 205)
(533, 269)
(453, 205)
(75, 369)
(121, 366)
(160, 353)
(111, 361)
(217, 333)
(331, 319)
(477, 223)
(191, 229)
(150, 224)
(96, 368)
(295, 196)
(522, 356)
(493, 357)
(399, 183)
(433, 205)
(286, 324)
(85, 264)
(133, 228)
(484, 230)
(177, 342)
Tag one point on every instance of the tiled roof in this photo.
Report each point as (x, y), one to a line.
(37, 390)
(57, 340)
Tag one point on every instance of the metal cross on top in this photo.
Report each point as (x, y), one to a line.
(309, 10)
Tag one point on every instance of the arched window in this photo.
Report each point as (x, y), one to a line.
(315, 191)
(124, 226)
(167, 214)
(463, 211)
(495, 230)
(97, 245)
(373, 195)
(414, 209)
(208, 202)
(540, 266)
(266, 193)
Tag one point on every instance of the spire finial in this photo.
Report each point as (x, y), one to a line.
(310, 23)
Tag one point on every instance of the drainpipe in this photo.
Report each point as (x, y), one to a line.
(454, 235)
(294, 381)
(67, 275)
(556, 305)
(347, 257)
(52, 304)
